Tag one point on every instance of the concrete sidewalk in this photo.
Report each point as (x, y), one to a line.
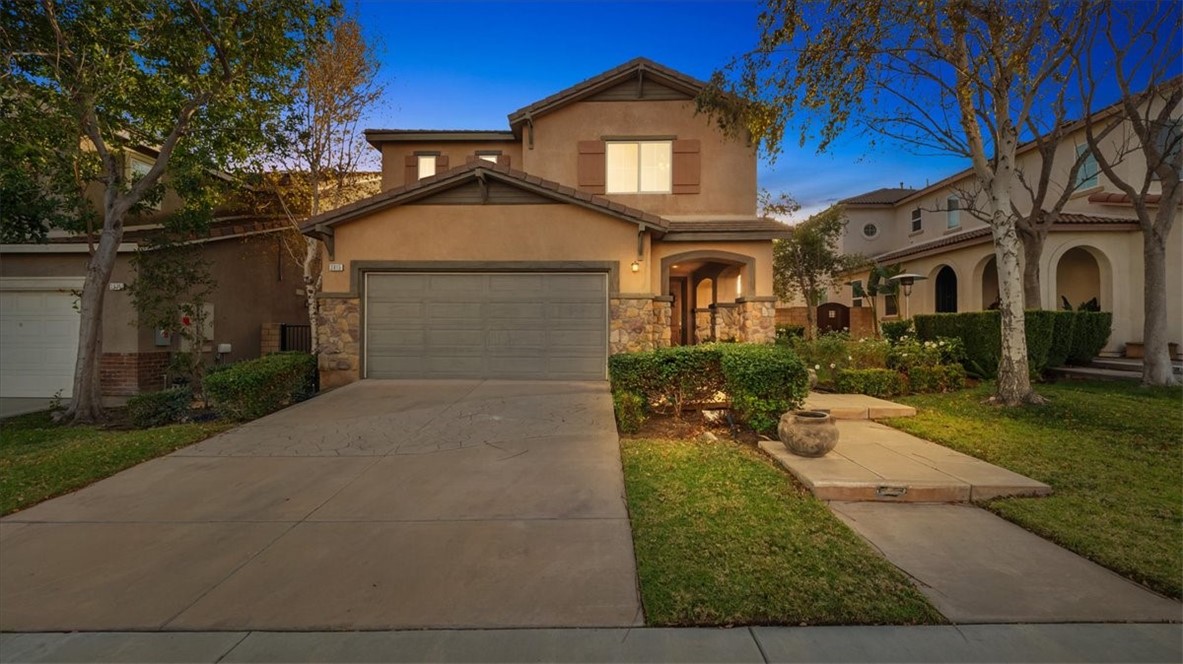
(965, 643)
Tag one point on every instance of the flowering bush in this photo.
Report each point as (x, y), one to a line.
(911, 352)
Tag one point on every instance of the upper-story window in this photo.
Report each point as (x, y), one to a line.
(1087, 172)
(638, 167)
(953, 206)
(1168, 138)
(426, 165)
(856, 287)
(917, 223)
(488, 156)
(870, 231)
(136, 169)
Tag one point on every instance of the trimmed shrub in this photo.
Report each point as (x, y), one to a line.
(938, 378)
(980, 333)
(894, 330)
(633, 372)
(1089, 335)
(630, 411)
(910, 352)
(1041, 328)
(872, 382)
(763, 382)
(786, 333)
(156, 409)
(673, 376)
(254, 388)
(1061, 346)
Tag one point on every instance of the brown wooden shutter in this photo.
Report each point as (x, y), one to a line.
(687, 167)
(411, 172)
(470, 158)
(591, 171)
(441, 163)
(503, 160)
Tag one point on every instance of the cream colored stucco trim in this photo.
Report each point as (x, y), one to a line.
(40, 283)
(124, 247)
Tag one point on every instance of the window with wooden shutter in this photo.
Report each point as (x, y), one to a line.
(591, 167)
(687, 167)
(410, 169)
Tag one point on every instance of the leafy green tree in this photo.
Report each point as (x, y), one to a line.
(879, 282)
(806, 263)
(194, 80)
(952, 76)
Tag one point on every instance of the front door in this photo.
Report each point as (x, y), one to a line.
(833, 317)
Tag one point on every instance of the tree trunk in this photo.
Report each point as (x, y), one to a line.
(1156, 364)
(311, 288)
(1032, 253)
(1014, 381)
(86, 404)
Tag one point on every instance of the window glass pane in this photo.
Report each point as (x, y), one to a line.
(655, 166)
(622, 168)
(954, 207)
(488, 157)
(916, 219)
(889, 306)
(139, 168)
(426, 165)
(1086, 175)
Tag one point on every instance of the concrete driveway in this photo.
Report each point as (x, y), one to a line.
(383, 504)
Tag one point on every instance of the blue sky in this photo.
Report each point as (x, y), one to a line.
(468, 64)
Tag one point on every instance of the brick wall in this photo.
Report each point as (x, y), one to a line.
(269, 338)
(790, 316)
(860, 319)
(128, 374)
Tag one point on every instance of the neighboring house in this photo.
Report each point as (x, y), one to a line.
(258, 283)
(1093, 252)
(608, 217)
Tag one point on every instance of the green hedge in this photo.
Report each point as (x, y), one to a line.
(1090, 335)
(1047, 332)
(939, 378)
(1061, 346)
(254, 388)
(872, 382)
(630, 411)
(786, 333)
(762, 381)
(979, 331)
(156, 409)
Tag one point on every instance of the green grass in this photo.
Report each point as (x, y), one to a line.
(1110, 451)
(40, 459)
(723, 537)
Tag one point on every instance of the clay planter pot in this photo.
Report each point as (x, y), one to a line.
(807, 433)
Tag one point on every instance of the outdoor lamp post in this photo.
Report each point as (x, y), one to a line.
(906, 280)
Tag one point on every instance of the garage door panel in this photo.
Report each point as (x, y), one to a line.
(38, 343)
(511, 325)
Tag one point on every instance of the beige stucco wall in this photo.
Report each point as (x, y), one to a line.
(250, 292)
(458, 152)
(761, 251)
(487, 233)
(728, 173)
(1118, 263)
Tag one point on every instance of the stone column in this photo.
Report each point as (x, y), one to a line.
(339, 339)
(757, 320)
(727, 321)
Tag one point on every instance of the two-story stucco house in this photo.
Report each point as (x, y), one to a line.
(608, 217)
(1093, 252)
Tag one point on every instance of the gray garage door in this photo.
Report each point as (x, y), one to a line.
(538, 326)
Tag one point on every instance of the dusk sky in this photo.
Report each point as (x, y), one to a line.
(468, 64)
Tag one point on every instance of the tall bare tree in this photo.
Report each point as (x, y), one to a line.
(321, 147)
(194, 79)
(953, 76)
(1139, 46)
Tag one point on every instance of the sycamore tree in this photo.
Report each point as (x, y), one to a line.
(806, 263)
(1138, 46)
(959, 77)
(192, 80)
(319, 147)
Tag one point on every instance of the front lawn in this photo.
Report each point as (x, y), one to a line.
(723, 537)
(1111, 452)
(40, 459)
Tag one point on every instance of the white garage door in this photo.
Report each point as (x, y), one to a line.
(487, 325)
(38, 343)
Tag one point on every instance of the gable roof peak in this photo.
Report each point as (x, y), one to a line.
(669, 77)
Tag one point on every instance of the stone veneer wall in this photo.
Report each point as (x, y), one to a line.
(637, 324)
(757, 320)
(728, 322)
(339, 337)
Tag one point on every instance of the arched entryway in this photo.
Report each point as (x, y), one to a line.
(1078, 280)
(704, 286)
(990, 298)
(945, 284)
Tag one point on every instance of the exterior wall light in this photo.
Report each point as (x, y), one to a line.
(636, 266)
